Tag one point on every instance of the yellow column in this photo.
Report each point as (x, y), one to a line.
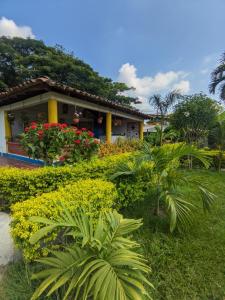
(108, 127)
(141, 130)
(52, 111)
(8, 132)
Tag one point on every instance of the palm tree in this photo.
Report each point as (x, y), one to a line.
(162, 106)
(159, 166)
(100, 263)
(218, 79)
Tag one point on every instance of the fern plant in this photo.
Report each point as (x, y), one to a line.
(100, 264)
(159, 167)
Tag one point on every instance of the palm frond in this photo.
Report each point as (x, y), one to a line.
(110, 270)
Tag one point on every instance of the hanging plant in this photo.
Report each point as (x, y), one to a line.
(100, 119)
(76, 118)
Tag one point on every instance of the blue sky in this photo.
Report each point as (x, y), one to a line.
(153, 45)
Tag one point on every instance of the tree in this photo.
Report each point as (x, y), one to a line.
(100, 263)
(194, 117)
(162, 106)
(218, 79)
(24, 59)
(217, 137)
(159, 167)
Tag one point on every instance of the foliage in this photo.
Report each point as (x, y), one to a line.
(158, 167)
(17, 185)
(194, 117)
(24, 59)
(100, 262)
(168, 135)
(218, 79)
(162, 106)
(54, 141)
(94, 195)
(17, 283)
(186, 265)
(217, 137)
(120, 146)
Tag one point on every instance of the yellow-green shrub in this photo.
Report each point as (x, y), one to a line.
(120, 146)
(18, 185)
(95, 195)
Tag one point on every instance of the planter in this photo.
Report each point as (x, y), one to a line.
(16, 148)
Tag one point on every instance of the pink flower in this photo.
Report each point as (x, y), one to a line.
(97, 141)
(83, 129)
(62, 158)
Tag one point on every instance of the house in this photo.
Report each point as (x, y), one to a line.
(44, 100)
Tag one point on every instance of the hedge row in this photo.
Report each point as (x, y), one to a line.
(95, 195)
(17, 185)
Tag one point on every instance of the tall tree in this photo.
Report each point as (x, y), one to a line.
(194, 117)
(24, 59)
(162, 105)
(218, 79)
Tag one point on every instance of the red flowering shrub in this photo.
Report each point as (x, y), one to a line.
(54, 142)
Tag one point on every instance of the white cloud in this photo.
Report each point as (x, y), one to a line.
(147, 85)
(10, 29)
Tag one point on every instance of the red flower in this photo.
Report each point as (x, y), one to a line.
(77, 142)
(33, 123)
(26, 129)
(78, 132)
(33, 126)
(46, 126)
(64, 125)
(40, 132)
(91, 134)
(83, 129)
(62, 158)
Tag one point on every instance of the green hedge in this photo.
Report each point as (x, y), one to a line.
(17, 185)
(95, 195)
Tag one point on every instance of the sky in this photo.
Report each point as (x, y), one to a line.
(154, 46)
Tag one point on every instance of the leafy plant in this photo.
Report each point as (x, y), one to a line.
(95, 195)
(100, 263)
(58, 142)
(159, 167)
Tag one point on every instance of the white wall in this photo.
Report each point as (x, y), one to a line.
(2, 132)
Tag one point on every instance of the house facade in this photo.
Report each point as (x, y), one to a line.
(44, 100)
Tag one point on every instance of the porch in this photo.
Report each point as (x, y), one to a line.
(60, 104)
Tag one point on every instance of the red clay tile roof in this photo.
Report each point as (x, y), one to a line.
(42, 85)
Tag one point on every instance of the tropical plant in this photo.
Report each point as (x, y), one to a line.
(217, 137)
(168, 135)
(218, 79)
(100, 262)
(159, 167)
(162, 106)
(194, 117)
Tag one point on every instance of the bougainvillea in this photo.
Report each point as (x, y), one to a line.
(55, 142)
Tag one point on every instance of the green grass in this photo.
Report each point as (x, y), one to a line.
(185, 266)
(188, 265)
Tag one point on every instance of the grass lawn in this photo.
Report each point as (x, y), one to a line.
(184, 266)
(187, 265)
